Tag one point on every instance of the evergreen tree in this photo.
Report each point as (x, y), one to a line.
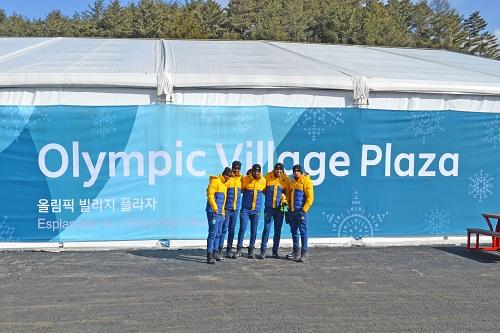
(447, 30)
(402, 11)
(117, 21)
(441, 6)
(209, 17)
(242, 17)
(144, 20)
(3, 17)
(479, 41)
(16, 25)
(342, 22)
(55, 24)
(295, 20)
(420, 26)
(380, 28)
(269, 22)
(426, 23)
(189, 25)
(91, 20)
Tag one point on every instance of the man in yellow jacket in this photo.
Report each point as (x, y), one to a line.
(252, 187)
(301, 199)
(232, 209)
(277, 188)
(216, 198)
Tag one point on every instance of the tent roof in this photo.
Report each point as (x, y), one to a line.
(33, 62)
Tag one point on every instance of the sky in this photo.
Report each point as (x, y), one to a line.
(490, 9)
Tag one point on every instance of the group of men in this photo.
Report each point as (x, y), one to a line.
(230, 195)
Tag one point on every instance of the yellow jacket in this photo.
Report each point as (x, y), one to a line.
(216, 195)
(301, 193)
(233, 185)
(277, 190)
(252, 192)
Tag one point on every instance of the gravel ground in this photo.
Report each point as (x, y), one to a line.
(393, 289)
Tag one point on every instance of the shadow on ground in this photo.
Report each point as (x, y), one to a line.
(195, 255)
(484, 257)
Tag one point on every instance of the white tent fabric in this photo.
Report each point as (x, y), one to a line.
(67, 71)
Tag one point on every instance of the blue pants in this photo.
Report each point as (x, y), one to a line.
(228, 225)
(271, 214)
(214, 224)
(245, 216)
(298, 223)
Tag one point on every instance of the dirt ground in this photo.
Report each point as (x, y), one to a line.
(393, 289)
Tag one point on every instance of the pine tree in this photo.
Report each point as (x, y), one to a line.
(91, 20)
(156, 19)
(269, 23)
(343, 22)
(479, 41)
(117, 21)
(380, 28)
(209, 16)
(242, 17)
(421, 25)
(16, 25)
(402, 11)
(447, 30)
(441, 6)
(295, 20)
(55, 24)
(426, 23)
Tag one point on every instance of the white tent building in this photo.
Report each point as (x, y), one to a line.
(113, 72)
(67, 71)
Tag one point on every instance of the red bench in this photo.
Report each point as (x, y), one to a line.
(495, 234)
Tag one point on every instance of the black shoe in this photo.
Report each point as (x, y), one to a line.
(216, 256)
(239, 251)
(250, 253)
(229, 254)
(262, 254)
(210, 259)
(293, 255)
(303, 256)
(276, 256)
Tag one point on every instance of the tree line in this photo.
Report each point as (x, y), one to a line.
(400, 23)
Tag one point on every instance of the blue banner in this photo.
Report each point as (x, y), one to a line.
(128, 173)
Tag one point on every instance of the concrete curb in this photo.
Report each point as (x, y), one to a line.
(201, 243)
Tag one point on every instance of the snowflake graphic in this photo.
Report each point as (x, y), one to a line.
(292, 115)
(38, 118)
(425, 124)
(11, 124)
(492, 131)
(6, 231)
(244, 122)
(103, 123)
(437, 221)
(355, 221)
(209, 116)
(481, 185)
(315, 121)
